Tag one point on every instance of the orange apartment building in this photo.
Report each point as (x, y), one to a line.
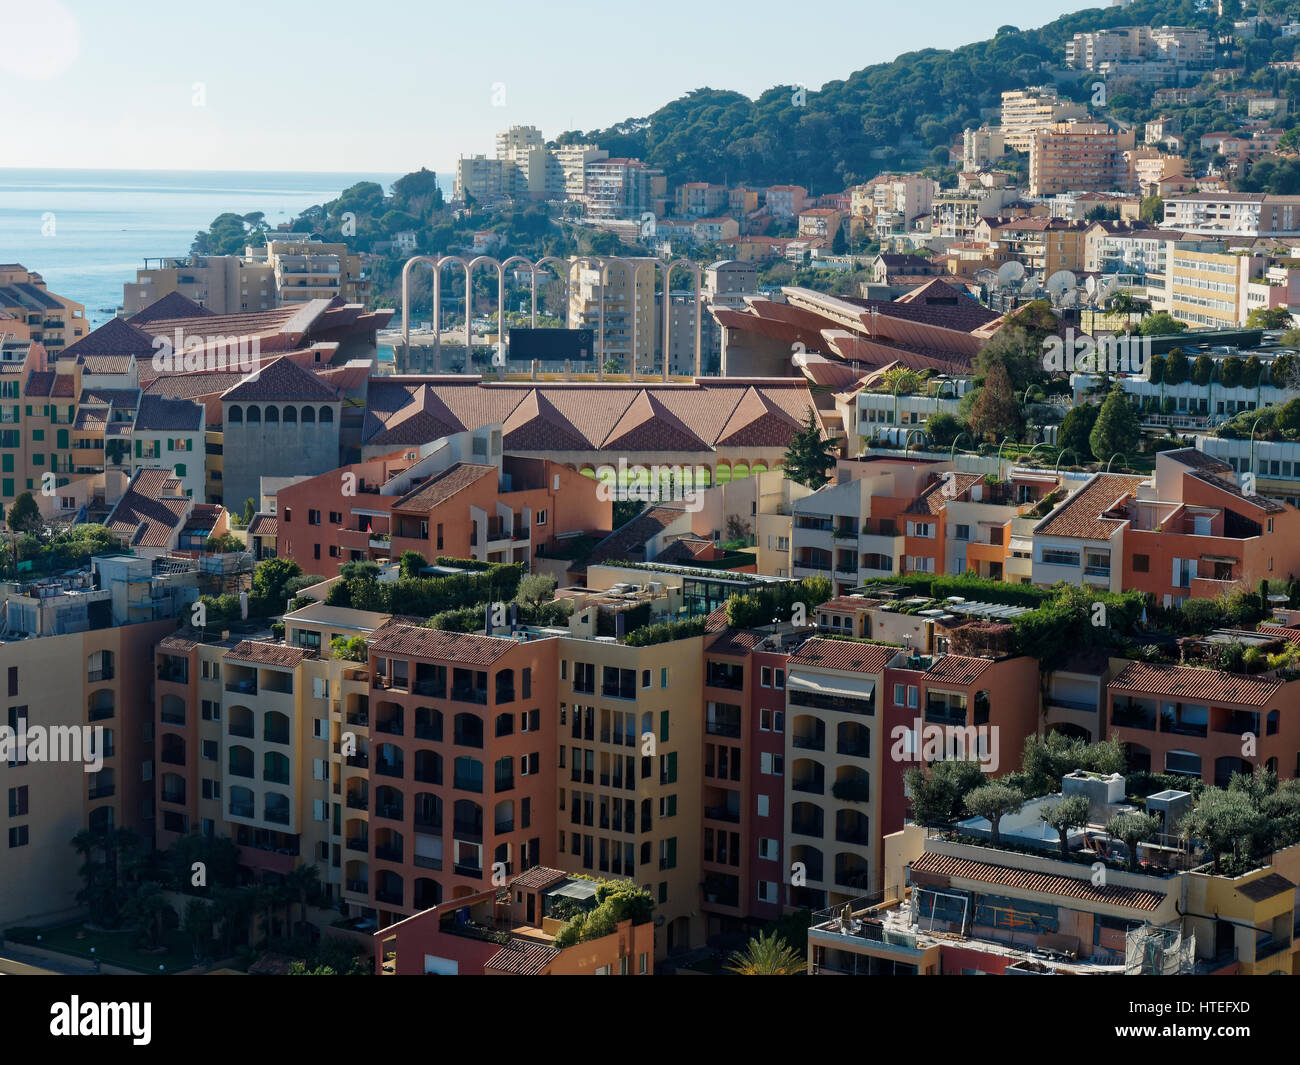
(1204, 723)
(460, 752)
(505, 511)
(1189, 532)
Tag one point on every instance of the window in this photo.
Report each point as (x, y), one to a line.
(764, 805)
(663, 677)
(780, 680)
(18, 836)
(1141, 563)
(765, 676)
(769, 849)
(210, 750)
(18, 801)
(771, 764)
(541, 518)
(767, 891)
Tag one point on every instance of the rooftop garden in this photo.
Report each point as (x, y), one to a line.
(616, 901)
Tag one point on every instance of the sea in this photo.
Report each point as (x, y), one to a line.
(87, 231)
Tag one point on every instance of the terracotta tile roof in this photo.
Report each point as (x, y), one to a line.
(844, 655)
(90, 419)
(442, 486)
(712, 412)
(737, 642)
(39, 383)
(958, 669)
(281, 381)
(117, 336)
(539, 878)
(1197, 460)
(1189, 682)
(628, 543)
(170, 307)
(1079, 516)
(126, 398)
(268, 654)
(1286, 632)
(522, 957)
(263, 525)
(176, 645)
(193, 385)
(948, 865)
(158, 414)
(845, 603)
(63, 387)
(934, 498)
(151, 511)
(1268, 506)
(106, 364)
(463, 649)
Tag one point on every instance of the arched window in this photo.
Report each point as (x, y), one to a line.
(308, 415)
(326, 415)
(290, 415)
(254, 415)
(272, 415)
(236, 413)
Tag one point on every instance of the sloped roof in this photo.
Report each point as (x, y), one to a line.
(281, 381)
(630, 540)
(442, 486)
(172, 306)
(594, 417)
(1080, 516)
(151, 511)
(158, 414)
(1190, 682)
(417, 642)
(825, 653)
(117, 336)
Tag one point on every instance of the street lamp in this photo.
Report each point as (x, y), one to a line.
(952, 451)
(1112, 459)
(1060, 455)
(1252, 442)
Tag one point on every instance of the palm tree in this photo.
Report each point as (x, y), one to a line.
(768, 955)
(303, 885)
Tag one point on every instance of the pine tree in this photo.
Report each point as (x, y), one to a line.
(810, 454)
(1076, 429)
(1116, 429)
(996, 411)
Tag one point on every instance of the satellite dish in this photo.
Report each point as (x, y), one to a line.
(1061, 282)
(1029, 288)
(1091, 285)
(1010, 273)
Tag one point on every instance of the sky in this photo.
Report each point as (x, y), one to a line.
(393, 86)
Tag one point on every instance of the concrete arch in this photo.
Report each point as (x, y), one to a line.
(694, 267)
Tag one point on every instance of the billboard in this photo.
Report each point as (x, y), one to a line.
(552, 345)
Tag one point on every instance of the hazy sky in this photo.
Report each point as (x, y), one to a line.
(392, 86)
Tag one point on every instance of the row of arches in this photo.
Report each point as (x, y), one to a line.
(274, 414)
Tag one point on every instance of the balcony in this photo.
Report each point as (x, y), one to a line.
(390, 898)
(1133, 716)
(102, 791)
(729, 729)
(389, 854)
(358, 843)
(358, 801)
(474, 872)
(722, 813)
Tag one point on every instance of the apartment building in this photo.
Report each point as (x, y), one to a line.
(1027, 111)
(306, 269)
(982, 147)
(622, 189)
(834, 775)
(1190, 721)
(1079, 156)
(785, 201)
(617, 302)
(1187, 532)
(1150, 167)
(486, 508)
(222, 284)
(699, 199)
(1042, 245)
(961, 908)
(30, 311)
(1131, 49)
(854, 528)
(1209, 289)
(1237, 214)
(70, 663)
(630, 777)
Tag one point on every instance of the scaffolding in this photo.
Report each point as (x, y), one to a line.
(1153, 950)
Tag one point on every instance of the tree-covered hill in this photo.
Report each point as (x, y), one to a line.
(905, 111)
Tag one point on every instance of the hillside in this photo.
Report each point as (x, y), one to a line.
(904, 112)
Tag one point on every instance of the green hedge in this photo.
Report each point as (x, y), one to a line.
(665, 631)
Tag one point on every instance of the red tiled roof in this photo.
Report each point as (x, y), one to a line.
(1080, 516)
(1189, 682)
(441, 487)
(281, 381)
(522, 957)
(268, 654)
(843, 655)
(151, 510)
(958, 669)
(263, 525)
(170, 307)
(949, 865)
(737, 642)
(461, 648)
(538, 878)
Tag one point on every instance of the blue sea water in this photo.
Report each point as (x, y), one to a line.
(87, 231)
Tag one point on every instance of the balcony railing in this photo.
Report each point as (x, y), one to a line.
(722, 813)
(473, 871)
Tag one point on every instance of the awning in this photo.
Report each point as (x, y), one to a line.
(1020, 544)
(845, 687)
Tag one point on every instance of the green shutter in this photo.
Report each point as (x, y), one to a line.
(63, 439)
(139, 448)
(663, 726)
